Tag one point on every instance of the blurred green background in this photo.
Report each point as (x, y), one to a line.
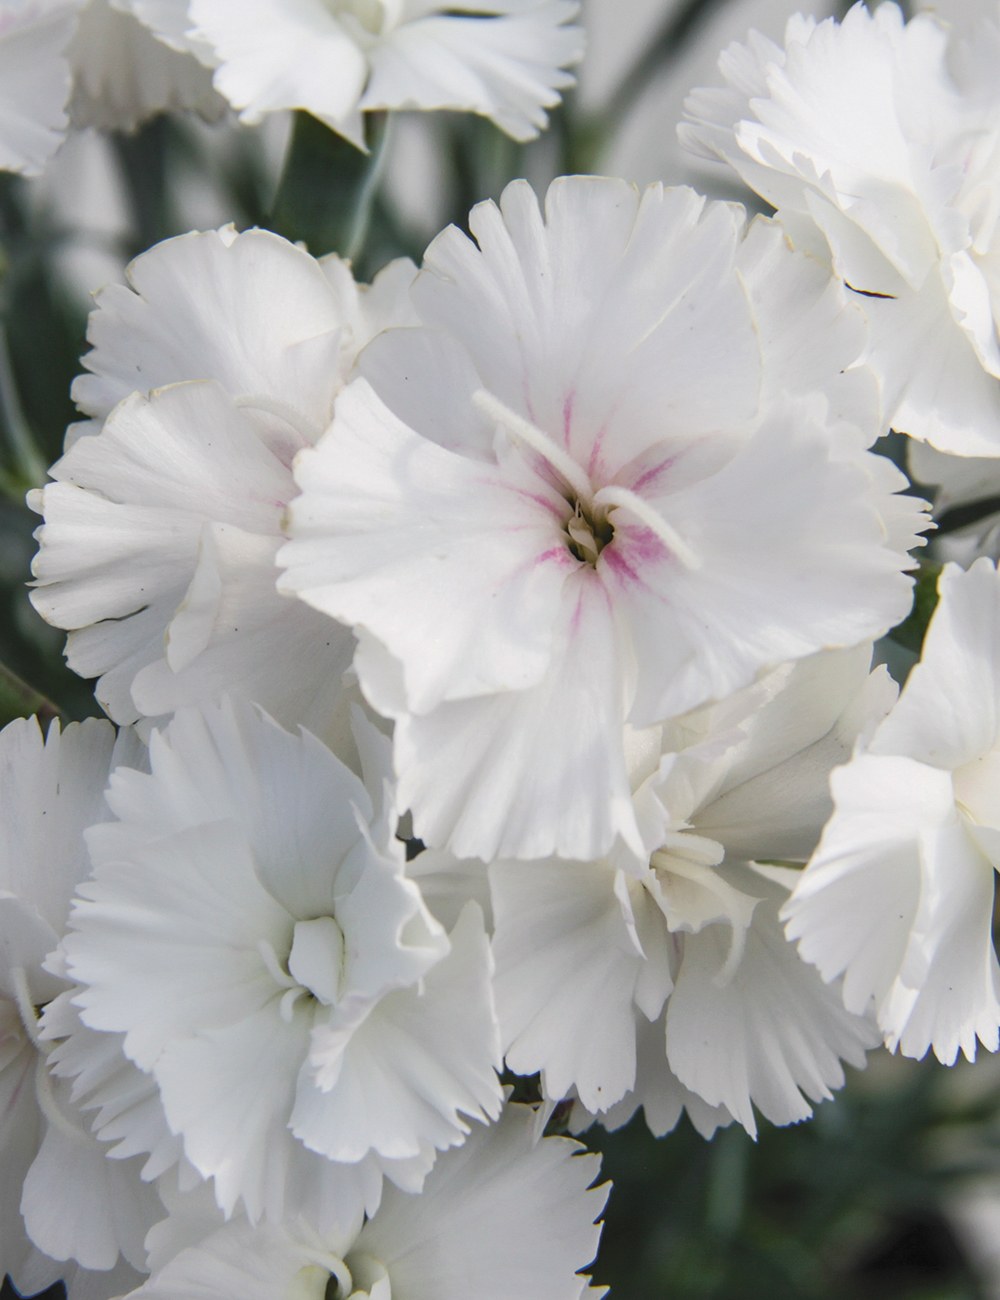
(893, 1190)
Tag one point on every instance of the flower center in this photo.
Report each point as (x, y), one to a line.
(588, 531)
(315, 964)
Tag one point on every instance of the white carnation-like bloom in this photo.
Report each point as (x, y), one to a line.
(675, 984)
(505, 1215)
(898, 898)
(160, 532)
(35, 81)
(85, 63)
(619, 470)
(884, 163)
(250, 930)
(66, 1210)
(339, 59)
(123, 74)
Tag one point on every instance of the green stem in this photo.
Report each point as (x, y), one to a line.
(19, 700)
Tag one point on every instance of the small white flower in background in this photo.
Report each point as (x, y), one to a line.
(505, 1215)
(898, 898)
(85, 63)
(339, 59)
(675, 984)
(620, 470)
(250, 930)
(882, 162)
(61, 1199)
(161, 529)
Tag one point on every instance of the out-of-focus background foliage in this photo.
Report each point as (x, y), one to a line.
(893, 1190)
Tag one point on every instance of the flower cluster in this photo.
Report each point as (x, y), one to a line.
(491, 650)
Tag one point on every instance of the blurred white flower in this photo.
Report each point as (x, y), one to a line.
(880, 148)
(85, 63)
(123, 75)
(65, 1209)
(642, 145)
(35, 81)
(250, 930)
(161, 528)
(620, 470)
(504, 59)
(588, 953)
(506, 1215)
(898, 898)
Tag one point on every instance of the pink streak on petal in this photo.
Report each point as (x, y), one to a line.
(631, 549)
(589, 577)
(654, 473)
(568, 418)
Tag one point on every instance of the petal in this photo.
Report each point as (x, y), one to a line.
(275, 56)
(771, 1030)
(506, 66)
(78, 1204)
(949, 712)
(897, 897)
(429, 552)
(167, 943)
(35, 77)
(238, 1262)
(123, 75)
(422, 1058)
(504, 1215)
(658, 1091)
(567, 969)
(251, 311)
(778, 579)
(51, 790)
(229, 1093)
(603, 322)
(528, 773)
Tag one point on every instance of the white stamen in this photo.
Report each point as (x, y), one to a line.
(50, 1108)
(288, 1001)
(516, 425)
(332, 1265)
(619, 496)
(270, 957)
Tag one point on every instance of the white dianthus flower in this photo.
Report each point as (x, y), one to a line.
(880, 148)
(898, 898)
(250, 930)
(160, 532)
(66, 1210)
(620, 469)
(85, 63)
(674, 984)
(505, 1215)
(339, 59)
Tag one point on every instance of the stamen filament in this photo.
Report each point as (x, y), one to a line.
(274, 969)
(50, 1108)
(619, 496)
(520, 428)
